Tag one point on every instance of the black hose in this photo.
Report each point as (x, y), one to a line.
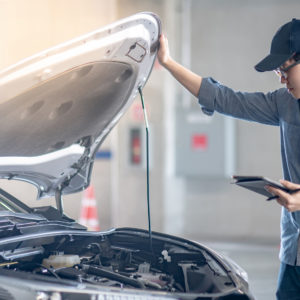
(148, 176)
(113, 276)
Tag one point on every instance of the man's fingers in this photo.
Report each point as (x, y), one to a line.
(283, 199)
(276, 191)
(289, 185)
(289, 201)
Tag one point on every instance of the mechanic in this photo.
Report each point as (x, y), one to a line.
(280, 108)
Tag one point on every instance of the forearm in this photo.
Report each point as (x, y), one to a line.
(187, 78)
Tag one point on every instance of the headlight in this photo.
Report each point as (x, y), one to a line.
(236, 268)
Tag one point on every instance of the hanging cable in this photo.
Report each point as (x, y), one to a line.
(147, 160)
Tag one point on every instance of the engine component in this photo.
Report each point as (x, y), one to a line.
(61, 261)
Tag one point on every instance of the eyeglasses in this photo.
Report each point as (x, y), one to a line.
(282, 72)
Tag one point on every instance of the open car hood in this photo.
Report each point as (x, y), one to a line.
(57, 107)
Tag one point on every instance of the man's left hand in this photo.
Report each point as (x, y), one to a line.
(290, 201)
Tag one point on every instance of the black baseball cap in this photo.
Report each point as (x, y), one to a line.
(285, 43)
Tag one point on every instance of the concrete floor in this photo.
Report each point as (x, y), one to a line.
(259, 261)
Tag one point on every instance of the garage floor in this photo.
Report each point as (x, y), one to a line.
(260, 262)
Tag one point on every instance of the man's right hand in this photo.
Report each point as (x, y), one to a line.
(163, 53)
(187, 78)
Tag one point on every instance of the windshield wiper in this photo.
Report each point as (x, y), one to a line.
(13, 204)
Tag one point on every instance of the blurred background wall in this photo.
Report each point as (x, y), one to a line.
(192, 156)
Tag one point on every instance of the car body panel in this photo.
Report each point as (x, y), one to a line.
(58, 106)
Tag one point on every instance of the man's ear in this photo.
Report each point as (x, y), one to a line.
(296, 56)
(291, 60)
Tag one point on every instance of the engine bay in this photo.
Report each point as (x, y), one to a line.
(121, 260)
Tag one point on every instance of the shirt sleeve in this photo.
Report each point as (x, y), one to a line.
(258, 107)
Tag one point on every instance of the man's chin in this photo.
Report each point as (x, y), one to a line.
(294, 93)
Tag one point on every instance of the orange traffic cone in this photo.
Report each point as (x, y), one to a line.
(89, 214)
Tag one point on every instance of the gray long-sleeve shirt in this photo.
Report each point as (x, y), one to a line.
(277, 108)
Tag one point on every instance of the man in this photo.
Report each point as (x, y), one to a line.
(280, 108)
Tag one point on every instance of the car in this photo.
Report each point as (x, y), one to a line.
(57, 107)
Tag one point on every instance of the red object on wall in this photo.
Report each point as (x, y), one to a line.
(199, 142)
(136, 150)
(135, 146)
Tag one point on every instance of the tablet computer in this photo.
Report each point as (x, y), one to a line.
(257, 184)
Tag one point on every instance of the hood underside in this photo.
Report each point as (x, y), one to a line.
(58, 106)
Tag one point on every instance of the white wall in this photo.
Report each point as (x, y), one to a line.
(29, 26)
